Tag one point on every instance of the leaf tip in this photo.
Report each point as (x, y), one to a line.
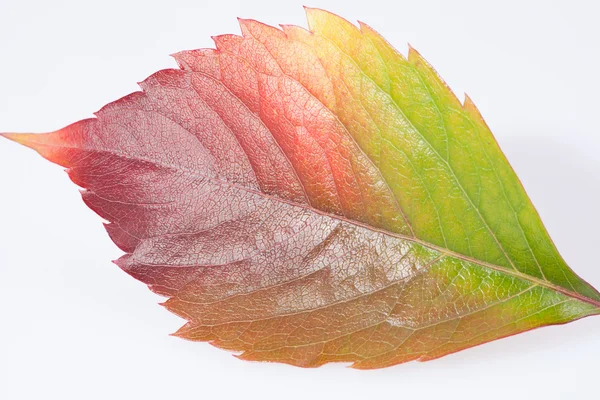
(22, 138)
(48, 145)
(35, 141)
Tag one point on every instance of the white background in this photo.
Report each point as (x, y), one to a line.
(73, 326)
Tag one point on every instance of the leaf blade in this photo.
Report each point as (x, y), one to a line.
(279, 190)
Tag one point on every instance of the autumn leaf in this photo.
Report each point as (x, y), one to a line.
(313, 196)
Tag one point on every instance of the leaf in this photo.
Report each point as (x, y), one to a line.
(311, 196)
